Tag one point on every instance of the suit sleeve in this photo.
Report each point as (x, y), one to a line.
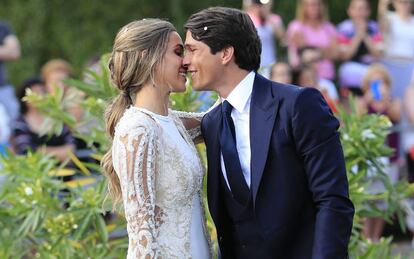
(317, 142)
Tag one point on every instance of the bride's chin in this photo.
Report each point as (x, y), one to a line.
(182, 90)
(179, 89)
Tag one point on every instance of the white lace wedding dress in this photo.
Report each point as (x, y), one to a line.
(161, 179)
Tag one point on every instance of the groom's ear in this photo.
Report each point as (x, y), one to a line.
(227, 54)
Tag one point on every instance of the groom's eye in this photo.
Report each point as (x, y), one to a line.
(191, 50)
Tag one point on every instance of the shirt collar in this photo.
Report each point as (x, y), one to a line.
(240, 95)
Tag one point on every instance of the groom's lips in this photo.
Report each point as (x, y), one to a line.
(191, 72)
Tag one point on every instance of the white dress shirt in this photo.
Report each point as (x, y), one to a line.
(240, 99)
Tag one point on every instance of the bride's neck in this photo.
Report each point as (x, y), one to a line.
(153, 98)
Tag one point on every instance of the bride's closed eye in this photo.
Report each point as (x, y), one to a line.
(179, 51)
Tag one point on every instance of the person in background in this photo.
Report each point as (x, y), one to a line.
(54, 72)
(4, 138)
(307, 76)
(27, 132)
(377, 99)
(409, 132)
(311, 27)
(360, 44)
(408, 147)
(269, 27)
(309, 57)
(9, 50)
(281, 72)
(397, 28)
(4, 130)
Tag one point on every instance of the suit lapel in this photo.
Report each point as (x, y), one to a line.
(213, 155)
(263, 110)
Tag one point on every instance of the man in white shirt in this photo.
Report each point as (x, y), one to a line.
(276, 182)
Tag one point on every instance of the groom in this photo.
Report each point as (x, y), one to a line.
(277, 186)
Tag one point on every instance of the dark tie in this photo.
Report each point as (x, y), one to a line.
(235, 177)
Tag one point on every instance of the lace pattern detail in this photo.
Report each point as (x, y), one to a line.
(194, 132)
(158, 183)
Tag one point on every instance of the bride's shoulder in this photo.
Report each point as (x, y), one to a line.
(135, 121)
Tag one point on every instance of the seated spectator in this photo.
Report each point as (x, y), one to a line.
(311, 27)
(281, 72)
(360, 44)
(26, 134)
(307, 76)
(377, 98)
(53, 74)
(310, 56)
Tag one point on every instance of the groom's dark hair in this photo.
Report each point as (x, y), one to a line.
(219, 27)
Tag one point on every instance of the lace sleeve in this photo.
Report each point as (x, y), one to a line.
(192, 120)
(138, 180)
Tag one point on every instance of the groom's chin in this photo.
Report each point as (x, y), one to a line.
(199, 87)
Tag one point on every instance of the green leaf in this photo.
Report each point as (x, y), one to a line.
(101, 227)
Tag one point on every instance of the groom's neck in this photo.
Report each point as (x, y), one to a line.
(231, 77)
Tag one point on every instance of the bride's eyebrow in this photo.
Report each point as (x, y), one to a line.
(179, 46)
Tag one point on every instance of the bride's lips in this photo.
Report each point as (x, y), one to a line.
(182, 72)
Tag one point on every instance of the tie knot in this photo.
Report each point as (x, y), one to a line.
(227, 108)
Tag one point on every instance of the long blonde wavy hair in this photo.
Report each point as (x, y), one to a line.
(300, 11)
(137, 55)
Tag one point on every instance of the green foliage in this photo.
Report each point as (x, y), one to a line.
(42, 216)
(363, 137)
(37, 218)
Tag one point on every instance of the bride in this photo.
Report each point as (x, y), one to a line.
(153, 166)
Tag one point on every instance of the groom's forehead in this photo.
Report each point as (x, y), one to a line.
(190, 41)
(189, 36)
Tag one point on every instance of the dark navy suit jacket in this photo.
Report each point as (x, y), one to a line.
(298, 177)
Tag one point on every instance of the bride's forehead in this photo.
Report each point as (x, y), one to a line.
(175, 38)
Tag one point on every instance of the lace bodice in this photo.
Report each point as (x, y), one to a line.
(158, 181)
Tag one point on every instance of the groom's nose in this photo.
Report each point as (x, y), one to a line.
(186, 60)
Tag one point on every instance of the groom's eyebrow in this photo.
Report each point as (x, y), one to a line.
(187, 45)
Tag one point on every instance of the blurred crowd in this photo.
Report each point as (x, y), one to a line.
(22, 124)
(370, 59)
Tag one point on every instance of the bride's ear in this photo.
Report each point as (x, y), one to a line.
(227, 54)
